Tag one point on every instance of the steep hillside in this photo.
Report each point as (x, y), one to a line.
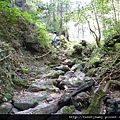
(21, 39)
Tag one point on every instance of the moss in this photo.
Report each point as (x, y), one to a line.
(68, 109)
(95, 105)
(92, 71)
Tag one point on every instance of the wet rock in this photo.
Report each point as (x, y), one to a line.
(42, 108)
(59, 84)
(73, 79)
(5, 108)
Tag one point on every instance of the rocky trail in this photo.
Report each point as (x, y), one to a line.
(61, 86)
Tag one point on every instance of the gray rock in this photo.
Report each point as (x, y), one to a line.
(77, 67)
(64, 68)
(28, 100)
(88, 78)
(69, 74)
(53, 96)
(32, 110)
(72, 82)
(5, 108)
(14, 110)
(42, 108)
(80, 75)
(36, 88)
(69, 62)
(55, 73)
(42, 85)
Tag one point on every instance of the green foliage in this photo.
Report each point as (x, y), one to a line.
(27, 16)
(24, 69)
(117, 45)
(42, 35)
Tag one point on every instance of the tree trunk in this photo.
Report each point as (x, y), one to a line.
(93, 33)
(61, 24)
(98, 26)
(115, 17)
(23, 5)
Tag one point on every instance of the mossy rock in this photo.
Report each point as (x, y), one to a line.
(55, 74)
(78, 49)
(68, 109)
(95, 105)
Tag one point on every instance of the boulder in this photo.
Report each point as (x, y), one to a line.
(5, 108)
(27, 100)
